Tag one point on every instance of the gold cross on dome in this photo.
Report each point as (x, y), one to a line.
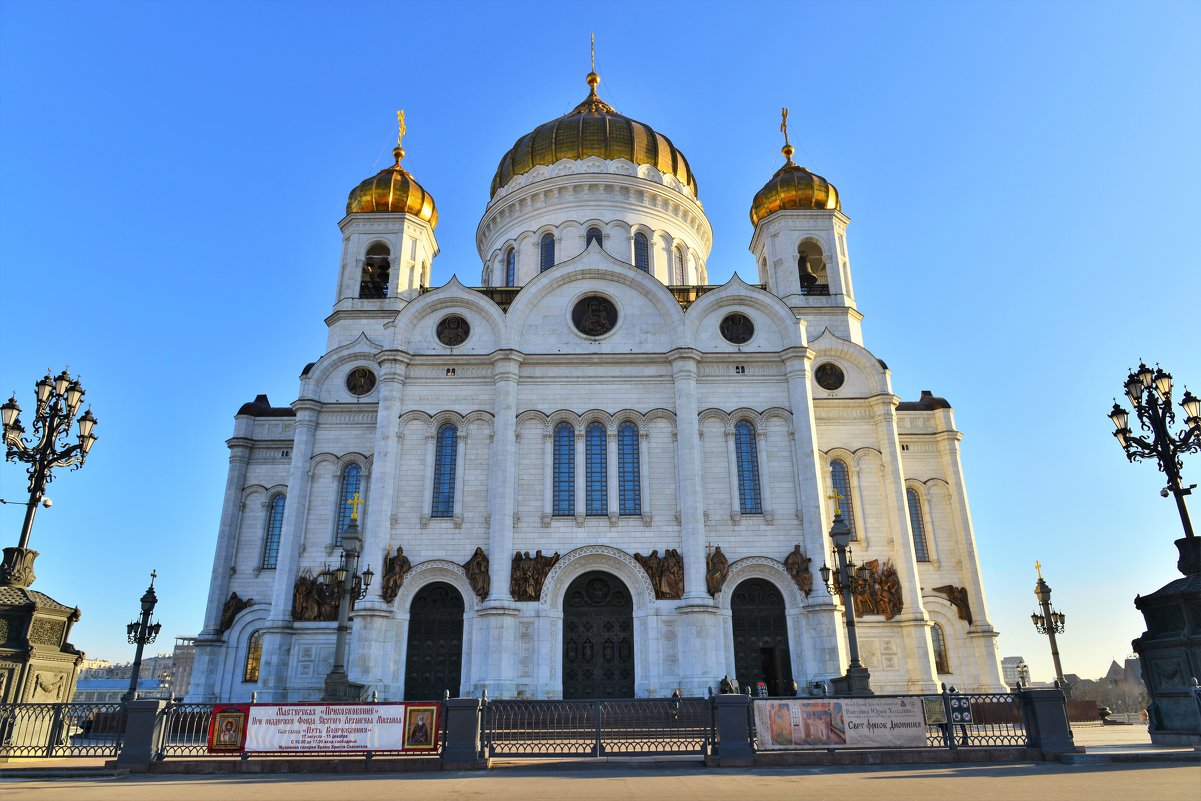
(594, 52)
(1039, 568)
(836, 497)
(784, 123)
(400, 121)
(355, 503)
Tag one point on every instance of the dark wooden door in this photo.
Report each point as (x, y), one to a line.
(434, 661)
(598, 638)
(761, 637)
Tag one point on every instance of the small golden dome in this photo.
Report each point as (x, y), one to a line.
(593, 128)
(393, 190)
(793, 187)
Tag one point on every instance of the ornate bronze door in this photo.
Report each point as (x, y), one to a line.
(761, 651)
(598, 638)
(435, 655)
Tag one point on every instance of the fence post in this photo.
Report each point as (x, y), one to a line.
(1047, 727)
(139, 745)
(734, 731)
(462, 749)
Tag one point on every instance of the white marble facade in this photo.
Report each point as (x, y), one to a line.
(666, 367)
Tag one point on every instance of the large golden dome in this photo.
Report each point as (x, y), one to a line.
(393, 190)
(793, 187)
(593, 128)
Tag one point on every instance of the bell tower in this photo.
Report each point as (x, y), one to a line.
(800, 246)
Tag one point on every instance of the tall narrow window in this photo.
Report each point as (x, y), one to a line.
(642, 253)
(563, 502)
(840, 480)
(352, 482)
(275, 525)
(629, 476)
(254, 656)
(677, 266)
(596, 475)
(747, 453)
(941, 663)
(511, 268)
(920, 550)
(546, 258)
(373, 283)
(593, 235)
(446, 450)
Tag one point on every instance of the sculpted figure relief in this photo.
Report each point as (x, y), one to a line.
(717, 570)
(797, 565)
(314, 599)
(881, 594)
(666, 572)
(233, 605)
(395, 569)
(529, 574)
(959, 599)
(477, 573)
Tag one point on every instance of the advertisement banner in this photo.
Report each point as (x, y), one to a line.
(840, 723)
(300, 728)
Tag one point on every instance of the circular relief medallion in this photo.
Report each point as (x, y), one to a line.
(453, 330)
(360, 381)
(737, 328)
(829, 376)
(594, 316)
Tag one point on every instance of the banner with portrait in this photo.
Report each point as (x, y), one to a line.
(793, 723)
(312, 728)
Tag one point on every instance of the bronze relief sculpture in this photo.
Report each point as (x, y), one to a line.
(959, 599)
(233, 605)
(477, 573)
(717, 570)
(395, 568)
(529, 574)
(666, 572)
(314, 599)
(797, 565)
(881, 593)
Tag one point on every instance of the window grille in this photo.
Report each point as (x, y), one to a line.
(677, 271)
(254, 656)
(642, 253)
(920, 548)
(840, 480)
(563, 500)
(352, 482)
(593, 235)
(596, 475)
(747, 454)
(629, 471)
(445, 454)
(511, 268)
(941, 663)
(547, 253)
(275, 526)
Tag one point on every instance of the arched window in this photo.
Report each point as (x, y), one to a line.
(919, 529)
(746, 451)
(677, 266)
(275, 525)
(840, 480)
(373, 283)
(642, 253)
(596, 472)
(629, 471)
(446, 450)
(546, 258)
(563, 501)
(254, 656)
(352, 482)
(511, 268)
(593, 235)
(941, 663)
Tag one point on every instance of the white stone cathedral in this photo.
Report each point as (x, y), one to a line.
(597, 474)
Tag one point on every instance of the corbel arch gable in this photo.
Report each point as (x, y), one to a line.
(830, 346)
(412, 330)
(421, 420)
(320, 381)
(596, 416)
(538, 418)
(770, 310)
(660, 413)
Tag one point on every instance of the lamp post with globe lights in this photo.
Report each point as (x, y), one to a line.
(350, 586)
(844, 583)
(1050, 622)
(58, 402)
(141, 633)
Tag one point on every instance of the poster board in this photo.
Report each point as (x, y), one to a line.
(798, 723)
(324, 728)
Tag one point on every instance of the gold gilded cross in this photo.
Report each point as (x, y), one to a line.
(1039, 568)
(400, 121)
(594, 52)
(836, 497)
(784, 123)
(355, 503)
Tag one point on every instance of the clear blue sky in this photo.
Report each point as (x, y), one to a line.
(1022, 180)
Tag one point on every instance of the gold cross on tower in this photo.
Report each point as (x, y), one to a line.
(400, 121)
(836, 497)
(355, 503)
(1039, 568)
(594, 52)
(784, 123)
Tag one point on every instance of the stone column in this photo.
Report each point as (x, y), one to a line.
(611, 483)
(209, 644)
(277, 633)
(373, 630)
(825, 636)
(581, 475)
(769, 515)
(732, 469)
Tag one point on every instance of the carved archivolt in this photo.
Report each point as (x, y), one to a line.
(427, 573)
(729, 419)
(431, 423)
(596, 557)
(581, 420)
(764, 568)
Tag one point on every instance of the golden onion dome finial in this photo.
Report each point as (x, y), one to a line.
(398, 152)
(788, 149)
(793, 187)
(393, 189)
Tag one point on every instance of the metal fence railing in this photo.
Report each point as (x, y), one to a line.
(61, 730)
(183, 730)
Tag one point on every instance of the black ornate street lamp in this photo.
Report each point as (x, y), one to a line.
(846, 583)
(346, 582)
(1150, 392)
(1049, 622)
(58, 401)
(142, 632)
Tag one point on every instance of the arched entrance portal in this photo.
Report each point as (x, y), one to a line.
(761, 651)
(598, 638)
(434, 659)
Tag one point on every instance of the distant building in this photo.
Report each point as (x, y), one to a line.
(1014, 669)
(182, 659)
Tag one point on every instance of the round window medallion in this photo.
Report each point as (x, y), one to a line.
(360, 381)
(594, 316)
(829, 376)
(453, 330)
(737, 328)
